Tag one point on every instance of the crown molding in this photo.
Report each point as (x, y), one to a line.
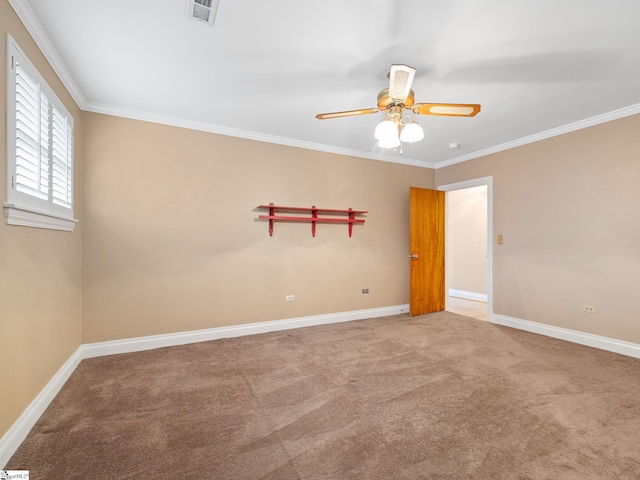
(210, 128)
(29, 19)
(554, 132)
(33, 26)
(234, 132)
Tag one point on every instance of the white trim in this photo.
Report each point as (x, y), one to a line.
(29, 19)
(477, 182)
(32, 24)
(234, 132)
(22, 208)
(114, 347)
(475, 296)
(554, 132)
(590, 340)
(11, 440)
(26, 217)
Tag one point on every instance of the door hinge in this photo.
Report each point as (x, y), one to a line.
(13, 182)
(13, 62)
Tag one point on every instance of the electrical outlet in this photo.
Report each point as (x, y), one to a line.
(290, 298)
(589, 308)
(365, 290)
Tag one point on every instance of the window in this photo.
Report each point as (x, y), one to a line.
(39, 149)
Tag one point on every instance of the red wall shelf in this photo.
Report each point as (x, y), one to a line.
(313, 216)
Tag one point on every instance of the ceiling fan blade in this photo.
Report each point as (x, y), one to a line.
(348, 113)
(400, 80)
(447, 109)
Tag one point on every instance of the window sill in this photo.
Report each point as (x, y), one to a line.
(25, 217)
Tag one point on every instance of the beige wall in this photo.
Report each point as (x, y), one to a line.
(40, 304)
(568, 209)
(467, 239)
(171, 240)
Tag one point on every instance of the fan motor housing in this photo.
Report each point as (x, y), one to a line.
(384, 100)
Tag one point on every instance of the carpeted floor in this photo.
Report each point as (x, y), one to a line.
(439, 396)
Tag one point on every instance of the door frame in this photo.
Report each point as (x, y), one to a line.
(476, 182)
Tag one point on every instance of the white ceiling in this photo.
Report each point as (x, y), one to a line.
(265, 69)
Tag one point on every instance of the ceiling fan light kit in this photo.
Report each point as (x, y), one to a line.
(387, 128)
(390, 141)
(395, 129)
(411, 132)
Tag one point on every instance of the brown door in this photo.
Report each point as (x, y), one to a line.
(426, 254)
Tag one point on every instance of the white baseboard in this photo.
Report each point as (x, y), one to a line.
(100, 349)
(477, 297)
(582, 338)
(11, 440)
(21, 428)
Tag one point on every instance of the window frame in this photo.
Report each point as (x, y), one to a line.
(22, 208)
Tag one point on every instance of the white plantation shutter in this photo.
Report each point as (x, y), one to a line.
(62, 148)
(32, 137)
(40, 149)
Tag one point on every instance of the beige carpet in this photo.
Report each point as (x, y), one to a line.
(434, 397)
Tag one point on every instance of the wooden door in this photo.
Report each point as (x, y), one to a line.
(426, 251)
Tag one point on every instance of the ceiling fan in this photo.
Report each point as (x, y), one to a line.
(396, 128)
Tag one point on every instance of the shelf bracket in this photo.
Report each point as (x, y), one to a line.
(352, 217)
(272, 212)
(314, 214)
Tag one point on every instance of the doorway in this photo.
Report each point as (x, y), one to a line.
(468, 257)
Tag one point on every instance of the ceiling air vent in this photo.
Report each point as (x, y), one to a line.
(202, 10)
